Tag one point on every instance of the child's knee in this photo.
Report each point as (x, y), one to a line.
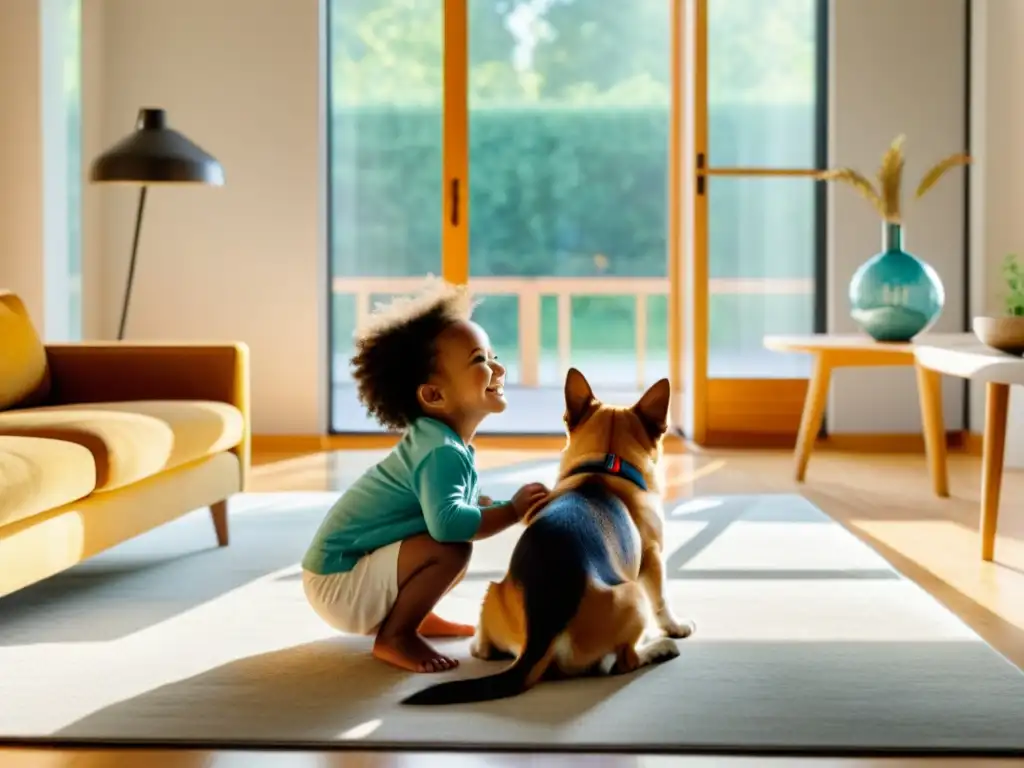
(456, 554)
(424, 550)
(447, 552)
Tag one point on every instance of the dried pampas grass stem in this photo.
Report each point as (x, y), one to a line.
(890, 179)
(859, 182)
(886, 199)
(939, 170)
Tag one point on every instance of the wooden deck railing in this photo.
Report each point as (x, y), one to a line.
(529, 290)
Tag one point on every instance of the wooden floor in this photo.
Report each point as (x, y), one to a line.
(884, 499)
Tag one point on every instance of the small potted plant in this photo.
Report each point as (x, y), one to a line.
(1006, 332)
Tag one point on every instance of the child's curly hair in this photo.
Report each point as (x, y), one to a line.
(396, 351)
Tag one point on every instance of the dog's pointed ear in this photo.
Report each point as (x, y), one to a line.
(652, 408)
(579, 398)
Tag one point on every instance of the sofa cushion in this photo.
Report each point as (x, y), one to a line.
(37, 475)
(24, 374)
(135, 439)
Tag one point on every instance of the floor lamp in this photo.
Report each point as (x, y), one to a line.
(153, 154)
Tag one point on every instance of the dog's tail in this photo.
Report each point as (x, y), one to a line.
(549, 602)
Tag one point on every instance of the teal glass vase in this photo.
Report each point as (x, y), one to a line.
(894, 296)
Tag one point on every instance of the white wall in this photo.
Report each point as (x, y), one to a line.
(245, 261)
(898, 66)
(242, 78)
(997, 175)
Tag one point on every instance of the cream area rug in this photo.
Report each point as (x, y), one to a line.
(807, 642)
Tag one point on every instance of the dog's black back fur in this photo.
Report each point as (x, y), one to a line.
(566, 545)
(573, 534)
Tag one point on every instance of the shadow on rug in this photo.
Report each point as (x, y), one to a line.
(787, 697)
(320, 692)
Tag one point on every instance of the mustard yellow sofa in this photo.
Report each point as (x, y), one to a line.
(103, 441)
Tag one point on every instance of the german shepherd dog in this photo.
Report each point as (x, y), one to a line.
(588, 571)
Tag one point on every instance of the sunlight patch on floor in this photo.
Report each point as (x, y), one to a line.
(949, 551)
(361, 731)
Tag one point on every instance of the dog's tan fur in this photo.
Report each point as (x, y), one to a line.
(607, 631)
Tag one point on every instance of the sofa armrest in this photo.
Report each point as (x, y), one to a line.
(91, 372)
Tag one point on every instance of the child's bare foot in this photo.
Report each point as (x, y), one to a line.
(434, 626)
(411, 653)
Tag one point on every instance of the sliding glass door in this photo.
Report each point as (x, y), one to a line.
(758, 85)
(568, 118)
(523, 146)
(625, 185)
(386, 162)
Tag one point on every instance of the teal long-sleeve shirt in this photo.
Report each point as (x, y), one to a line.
(427, 484)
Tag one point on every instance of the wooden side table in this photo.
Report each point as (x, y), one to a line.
(968, 358)
(832, 351)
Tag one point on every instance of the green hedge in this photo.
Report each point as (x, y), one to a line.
(552, 188)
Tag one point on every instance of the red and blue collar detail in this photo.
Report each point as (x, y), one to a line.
(612, 465)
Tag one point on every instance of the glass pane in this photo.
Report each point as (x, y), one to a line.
(762, 83)
(569, 117)
(761, 242)
(385, 173)
(73, 96)
(61, 105)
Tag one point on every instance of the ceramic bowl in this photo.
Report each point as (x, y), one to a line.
(1003, 333)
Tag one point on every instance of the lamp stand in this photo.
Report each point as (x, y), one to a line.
(131, 264)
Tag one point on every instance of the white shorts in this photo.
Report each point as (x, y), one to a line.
(356, 601)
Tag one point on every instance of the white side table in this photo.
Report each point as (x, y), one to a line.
(967, 358)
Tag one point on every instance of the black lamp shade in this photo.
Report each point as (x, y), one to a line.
(156, 154)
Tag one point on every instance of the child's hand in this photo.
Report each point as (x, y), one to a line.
(484, 501)
(528, 497)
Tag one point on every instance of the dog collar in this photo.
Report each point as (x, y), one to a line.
(613, 465)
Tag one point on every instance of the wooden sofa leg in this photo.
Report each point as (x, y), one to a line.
(219, 513)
